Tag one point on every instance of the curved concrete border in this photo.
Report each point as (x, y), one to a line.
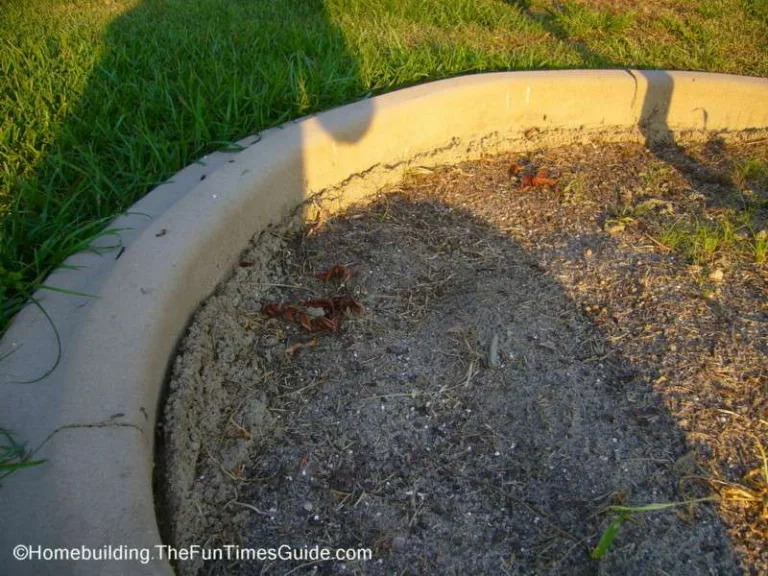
(93, 416)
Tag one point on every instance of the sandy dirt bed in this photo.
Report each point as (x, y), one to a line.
(531, 352)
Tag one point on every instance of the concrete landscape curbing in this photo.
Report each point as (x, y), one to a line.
(86, 394)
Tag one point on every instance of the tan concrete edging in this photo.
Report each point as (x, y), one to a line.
(93, 417)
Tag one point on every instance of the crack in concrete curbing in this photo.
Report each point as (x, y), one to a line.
(634, 94)
(362, 174)
(354, 176)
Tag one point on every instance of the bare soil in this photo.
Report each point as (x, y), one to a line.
(527, 358)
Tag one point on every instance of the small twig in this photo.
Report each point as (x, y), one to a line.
(470, 374)
(413, 394)
(246, 434)
(659, 244)
(295, 286)
(299, 391)
(249, 506)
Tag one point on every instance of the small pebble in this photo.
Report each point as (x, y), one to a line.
(398, 349)
(398, 543)
(307, 506)
(716, 275)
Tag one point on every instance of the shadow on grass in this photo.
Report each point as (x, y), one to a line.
(178, 80)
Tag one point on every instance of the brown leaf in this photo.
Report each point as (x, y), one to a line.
(526, 181)
(333, 309)
(349, 305)
(542, 178)
(288, 312)
(305, 321)
(324, 303)
(338, 272)
(291, 350)
(326, 323)
(273, 309)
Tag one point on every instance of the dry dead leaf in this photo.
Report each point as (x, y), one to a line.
(293, 349)
(338, 272)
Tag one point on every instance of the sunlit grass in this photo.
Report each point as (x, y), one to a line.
(102, 100)
(13, 455)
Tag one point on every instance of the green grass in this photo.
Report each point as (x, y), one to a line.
(580, 22)
(760, 247)
(623, 513)
(102, 100)
(751, 493)
(13, 455)
(699, 241)
(734, 232)
(731, 234)
(754, 169)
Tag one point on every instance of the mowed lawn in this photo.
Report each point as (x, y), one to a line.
(102, 100)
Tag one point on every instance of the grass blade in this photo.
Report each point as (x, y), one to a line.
(610, 533)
